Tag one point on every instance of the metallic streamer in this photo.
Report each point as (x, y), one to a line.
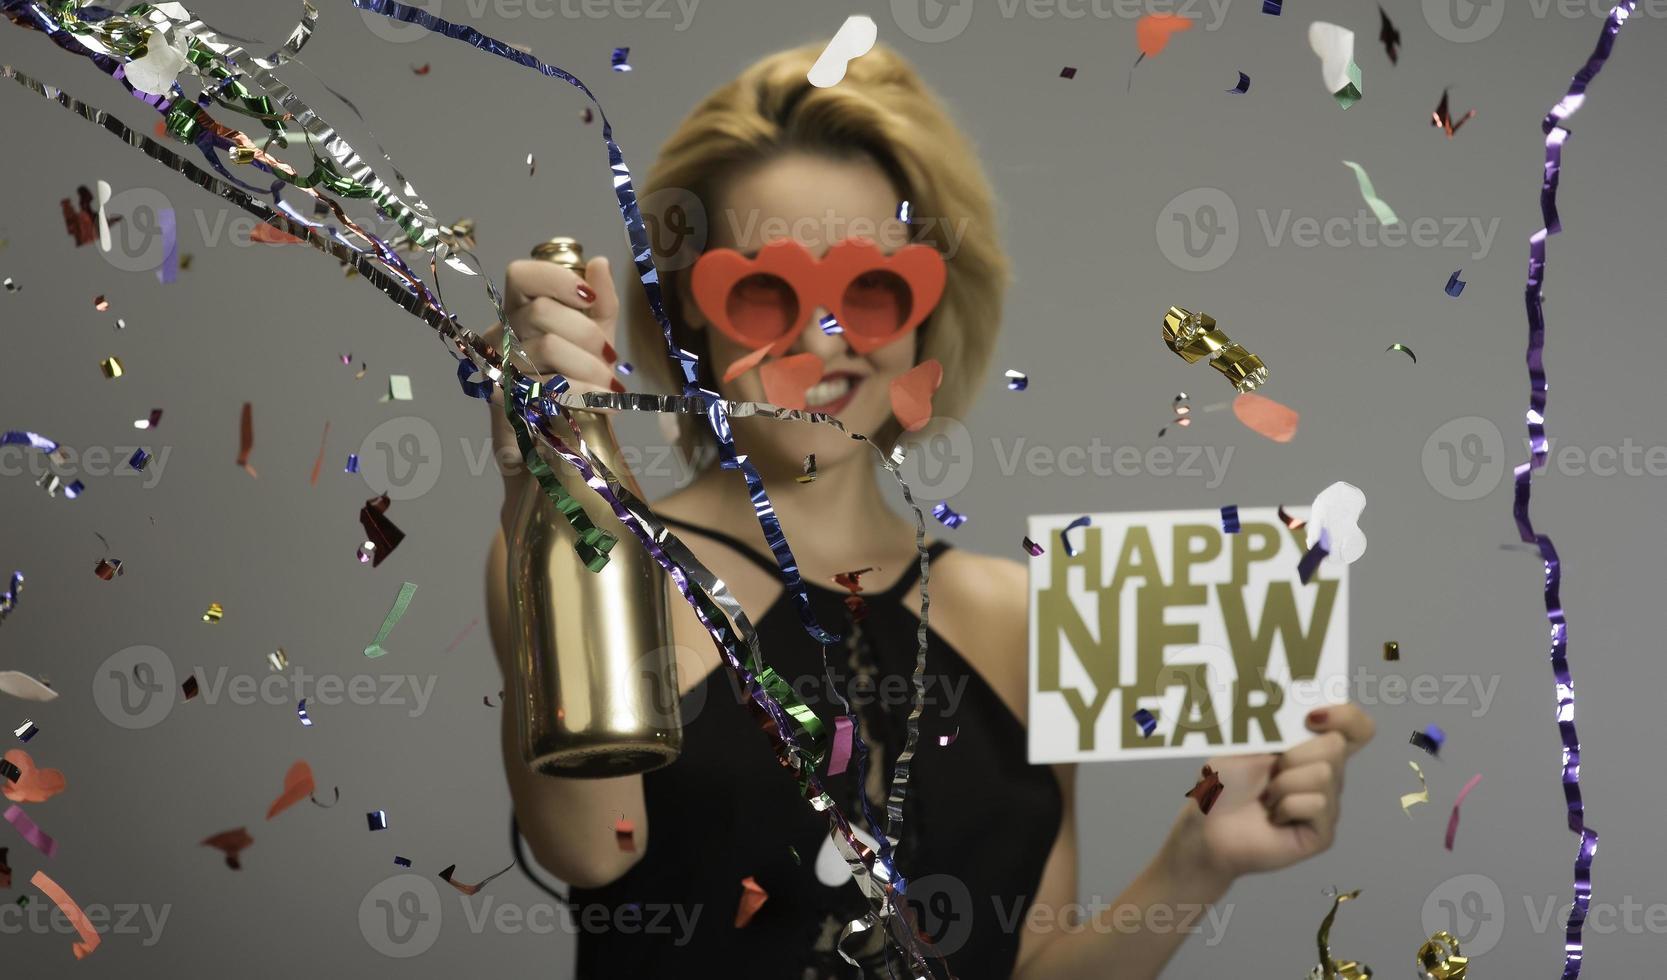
(1555, 136)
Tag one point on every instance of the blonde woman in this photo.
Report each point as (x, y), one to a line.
(796, 180)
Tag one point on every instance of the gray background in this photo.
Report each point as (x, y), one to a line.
(1083, 170)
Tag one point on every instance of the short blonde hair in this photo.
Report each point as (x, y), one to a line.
(882, 110)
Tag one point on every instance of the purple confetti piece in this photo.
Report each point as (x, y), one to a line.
(1148, 724)
(1242, 87)
(840, 755)
(1455, 286)
(33, 834)
(1430, 740)
(947, 515)
(10, 771)
(301, 713)
(1311, 561)
(402, 862)
(26, 731)
(1272, 7)
(831, 326)
(1067, 72)
(619, 61)
(625, 369)
(352, 463)
(1017, 380)
(904, 210)
(377, 819)
(1034, 548)
(1555, 136)
(1065, 535)
(139, 459)
(1230, 519)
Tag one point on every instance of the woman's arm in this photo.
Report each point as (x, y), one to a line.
(1273, 811)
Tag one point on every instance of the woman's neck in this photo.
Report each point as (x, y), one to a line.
(837, 522)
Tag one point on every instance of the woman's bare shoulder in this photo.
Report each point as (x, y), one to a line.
(980, 606)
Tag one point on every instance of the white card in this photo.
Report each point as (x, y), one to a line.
(1226, 648)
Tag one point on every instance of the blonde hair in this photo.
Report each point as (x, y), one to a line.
(881, 110)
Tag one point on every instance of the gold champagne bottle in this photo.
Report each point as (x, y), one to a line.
(595, 671)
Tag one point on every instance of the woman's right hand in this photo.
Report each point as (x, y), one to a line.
(565, 325)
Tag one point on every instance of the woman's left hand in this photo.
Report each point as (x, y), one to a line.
(1274, 810)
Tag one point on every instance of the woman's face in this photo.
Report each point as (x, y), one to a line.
(816, 201)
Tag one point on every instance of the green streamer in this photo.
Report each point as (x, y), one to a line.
(401, 603)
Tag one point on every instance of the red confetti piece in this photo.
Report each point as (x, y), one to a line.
(626, 834)
(5, 870)
(787, 379)
(421, 71)
(268, 235)
(1208, 788)
(231, 842)
(753, 897)
(1453, 818)
(33, 785)
(1266, 417)
(72, 911)
(1153, 32)
(445, 876)
(381, 531)
(911, 394)
(246, 438)
(318, 464)
(298, 785)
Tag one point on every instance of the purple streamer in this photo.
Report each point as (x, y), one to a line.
(168, 271)
(1556, 134)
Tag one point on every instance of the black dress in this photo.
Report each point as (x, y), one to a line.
(978, 827)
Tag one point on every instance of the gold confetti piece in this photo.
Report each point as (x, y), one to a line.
(214, 613)
(1440, 960)
(399, 388)
(1391, 650)
(1403, 348)
(532, 165)
(1194, 337)
(278, 659)
(1408, 800)
(1328, 969)
(111, 366)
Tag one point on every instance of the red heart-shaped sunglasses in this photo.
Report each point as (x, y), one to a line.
(763, 302)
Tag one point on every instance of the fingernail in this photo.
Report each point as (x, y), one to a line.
(1317, 716)
(608, 352)
(616, 386)
(586, 293)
